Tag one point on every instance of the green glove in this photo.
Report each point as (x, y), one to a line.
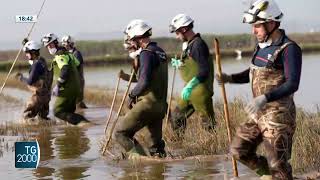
(186, 92)
(176, 63)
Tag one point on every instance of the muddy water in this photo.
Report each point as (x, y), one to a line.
(73, 153)
(307, 96)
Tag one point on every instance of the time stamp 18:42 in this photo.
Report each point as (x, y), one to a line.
(26, 18)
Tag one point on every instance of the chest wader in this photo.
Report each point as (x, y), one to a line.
(200, 99)
(80, 102)
(82, 84)
(148, 112)
(274, 125)
(65, 103)
(38, 104)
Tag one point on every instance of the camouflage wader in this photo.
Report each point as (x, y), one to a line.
(200, 99)
(148, 112)
(274, 125)
(38, 104)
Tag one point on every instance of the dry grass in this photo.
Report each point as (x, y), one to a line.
(197, 141)
(8, 100)
(101, 97)
(12, 82)
(306, 147)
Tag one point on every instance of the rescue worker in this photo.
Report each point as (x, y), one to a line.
(274, 75)
(39, 82)
(69, 43)
(147, 101)
(196, 70)
(67, 88)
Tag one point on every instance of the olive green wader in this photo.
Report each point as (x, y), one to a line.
(274, 125)
(65, 104)
(148, 112)
(200, 99)
(82, 84)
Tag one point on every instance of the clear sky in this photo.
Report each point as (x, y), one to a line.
(87, 19)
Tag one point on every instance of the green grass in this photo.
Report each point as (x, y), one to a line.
(12, 82)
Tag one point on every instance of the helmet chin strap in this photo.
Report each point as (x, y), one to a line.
(184, 36)
(269, 33)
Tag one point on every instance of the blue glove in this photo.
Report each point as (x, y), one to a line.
(55, 90)
(186, 91)
(176, 63)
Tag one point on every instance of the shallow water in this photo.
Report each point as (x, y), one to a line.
(73, 153)
(307, 96)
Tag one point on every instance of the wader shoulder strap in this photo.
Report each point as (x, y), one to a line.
(271, 63)
(278, 51)
(186, 52)
(255, 51)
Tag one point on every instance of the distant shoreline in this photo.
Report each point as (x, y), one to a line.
(98, 61)
(99, 53)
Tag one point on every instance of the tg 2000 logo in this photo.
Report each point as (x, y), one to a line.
(27, 154)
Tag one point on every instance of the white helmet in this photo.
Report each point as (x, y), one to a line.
(31, 45)
(67, 40)
(48, 38)
(262, 11)
(136, 28)
(180, 20)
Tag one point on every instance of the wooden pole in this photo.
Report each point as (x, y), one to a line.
(112, 105)
(225, 102)
(171, 93)
(118, 114)
(19, 52)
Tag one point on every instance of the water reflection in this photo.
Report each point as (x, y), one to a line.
(61, 153)
(44, 138)
(67, 153)
(71, 145)
(153, 171)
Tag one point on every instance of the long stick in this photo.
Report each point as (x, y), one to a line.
(118, 114)
(225, 102)
(19, 52)
(171, 93)
(112, 105)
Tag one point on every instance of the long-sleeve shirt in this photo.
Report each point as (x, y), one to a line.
(148, 62)
(290, 60)
(199, 51)
(36, 71)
